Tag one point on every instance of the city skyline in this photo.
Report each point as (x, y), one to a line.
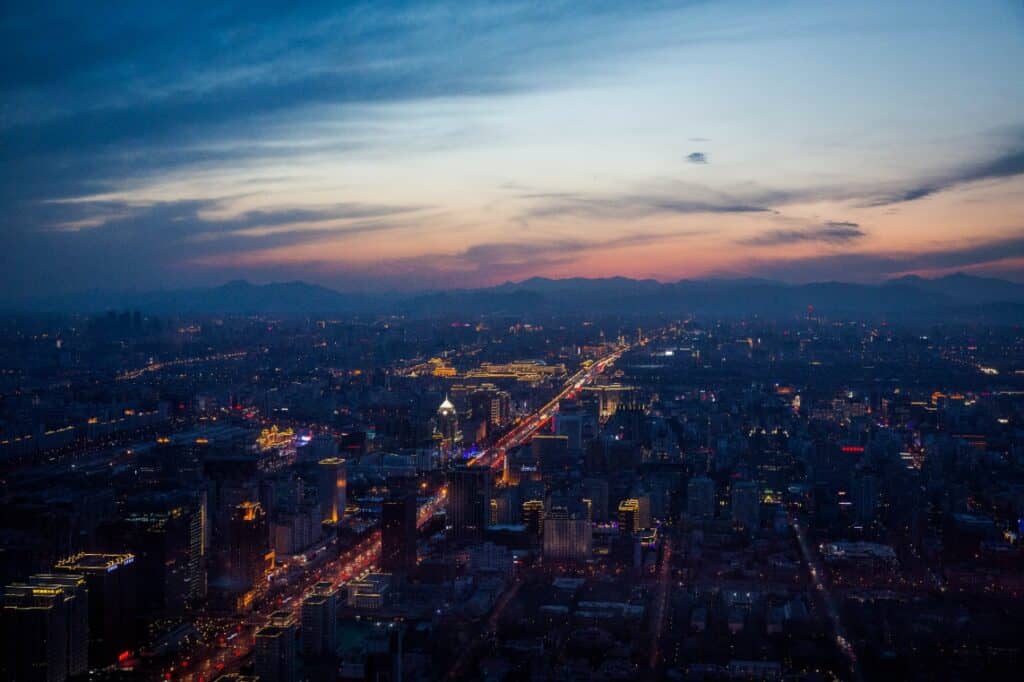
(429, 145)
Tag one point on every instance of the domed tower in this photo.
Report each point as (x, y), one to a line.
(448, 429)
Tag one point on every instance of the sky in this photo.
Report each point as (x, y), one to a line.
(423, 145)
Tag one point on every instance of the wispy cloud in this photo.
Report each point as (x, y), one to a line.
(1007, 165)
(876, 266)
(829, 233)
(630, 206)
(697, 157)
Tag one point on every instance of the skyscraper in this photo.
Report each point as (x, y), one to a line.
(700, 498)
(568, 534)
(533, 517)
(332, 487)
(398, 533)
(45, 629)
(274, 658)
(111, 583)
(864, 495)
(469, 500)
(320, 620)
(249, 545)
(596, 490)
(746, 505)
(448, 428)
(629, 516)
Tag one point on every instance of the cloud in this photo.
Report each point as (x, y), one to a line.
(877, 266)
(1006, 165)
(697, 157)
(829, 233)
(630, 206)
(150, 244)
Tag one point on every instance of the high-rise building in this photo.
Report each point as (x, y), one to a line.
(448, 429)
(596, 490)
(332, 487)
(491, 404)
(274, 659)
(111, 583)
(864, 496)
(746, 505)
(568, 534)
(45, 629)
(320, 620)
(398, 533)
(551, 452)
(469, 503)
(569, 423)
(76, 592)
(629, 516)
(700, 498)
(166, 534)
(533, 517)
(249, 552)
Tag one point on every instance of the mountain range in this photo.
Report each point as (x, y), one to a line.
(958, 296)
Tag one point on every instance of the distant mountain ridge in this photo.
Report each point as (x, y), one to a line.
(959, 295)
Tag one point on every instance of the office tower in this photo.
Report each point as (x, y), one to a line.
(506, 506)
(746, 505)
(76, 598)
(320, 620)
(700, 498)
(521, 465)
(533, 517)
(551, 452)
(166, 536)
(111, 583)
(629, 516)
(248, 549)
(864, 496)
(321, 446)
(469, 500)
(569, 423)
(274, 659)
(332, 487)
(596, 490)
(568, 533)
(398, 533)
(448, 428)
(491, 404)
(45, 629)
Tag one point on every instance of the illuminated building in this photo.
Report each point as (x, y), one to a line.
(490, 403)
(448, 428)
(332, 485)
(568, 534)
(274, 438)
(469, 500)
(629, 516)
(249, 554)
(533, 517)
(274, 659)
(370, 592)
(319, 616)
(169, 547)
(596, 490)
(700, 498)
(45, 629)
(398, 534)
(111, 583)
(746, 505)
(524, 372)
(864, 494)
